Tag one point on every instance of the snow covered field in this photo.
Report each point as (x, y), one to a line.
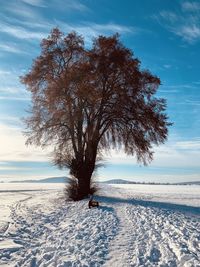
(135, 225)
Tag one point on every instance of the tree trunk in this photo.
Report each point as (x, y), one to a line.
(82, 168)
(84, 175)
(82, 171)
(84, 186)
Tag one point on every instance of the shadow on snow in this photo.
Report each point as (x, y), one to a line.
(146, 203)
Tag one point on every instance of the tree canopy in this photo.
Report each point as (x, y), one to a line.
(85, 100)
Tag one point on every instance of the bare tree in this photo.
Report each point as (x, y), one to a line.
(87, 100)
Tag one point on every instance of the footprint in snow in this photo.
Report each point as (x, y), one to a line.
(154, 255)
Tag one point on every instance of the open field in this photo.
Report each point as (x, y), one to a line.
(136, 225)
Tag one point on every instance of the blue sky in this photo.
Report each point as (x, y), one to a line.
(164, 35)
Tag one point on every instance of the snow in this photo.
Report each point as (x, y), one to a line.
(135, 225)
(177, 194)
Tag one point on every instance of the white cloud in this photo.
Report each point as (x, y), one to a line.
(168, 91)
(191, 6)
(197, 82)
(89, 30)
(20, 32)
(14, 98)
(167, 66)
(76, 5)
(177, 154)
(28, 23)
(4, 72)
(11, 168)
(183, 24)
(36, 3)
(14, 154)
(118, 157)
(10, 90)
(111, 27)
(11, 48)
(167, 15)
(9, 118)
(193, 103)
(13, 148)
(189, 33)
(10, 87)
(34, 21)
(189, 145)
(93, 30)
(22, 11)
(182, 86)
(42, 24)
(62, 4)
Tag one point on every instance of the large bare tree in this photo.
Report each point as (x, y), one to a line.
(87, 100)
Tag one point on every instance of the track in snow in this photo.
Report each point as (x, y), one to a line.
(123, 232)
(155, 234)
(58, 233)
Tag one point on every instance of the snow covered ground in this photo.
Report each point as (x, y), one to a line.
(135, 225)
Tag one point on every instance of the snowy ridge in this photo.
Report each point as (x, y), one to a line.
(127, 230)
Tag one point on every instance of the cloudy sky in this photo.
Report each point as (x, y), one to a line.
(164, 35)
